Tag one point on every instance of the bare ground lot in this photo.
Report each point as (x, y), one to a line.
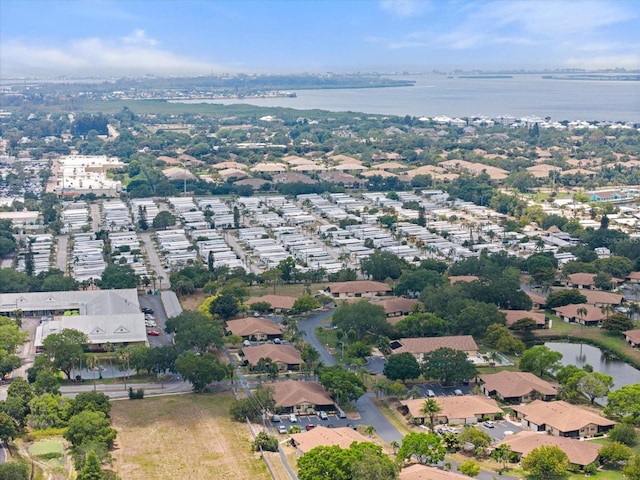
(182, 437)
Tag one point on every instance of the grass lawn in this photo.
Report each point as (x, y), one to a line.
(394, 417)
(47, 448)
(183, 437)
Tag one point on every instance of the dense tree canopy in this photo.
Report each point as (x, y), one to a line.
(426, 448)
(343, 385)
(447, 365)
(540, 360)
(363, 318)
(401, 366)
(65, 349)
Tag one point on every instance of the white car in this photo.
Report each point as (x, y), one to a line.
(323, 415)
(282, 429)
(293, 418)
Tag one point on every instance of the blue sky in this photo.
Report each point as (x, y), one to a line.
(116, 37)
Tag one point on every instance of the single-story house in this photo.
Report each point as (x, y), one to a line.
(516, 387)
(293, 396)
(581, 313)
(538, 301)
(285, 356)
(254, 328)
(600, 298)
(397, 307)
(633, 277)
(423, 472)
(465, 409)
(561, 419)
(279, 303)
(512, 316)
(420, 346)
(342, 437)
(358, 289)
(579, 453)
(585, 281)
(633, 337)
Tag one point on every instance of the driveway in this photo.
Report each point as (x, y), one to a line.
(309, 325)
(154, 302)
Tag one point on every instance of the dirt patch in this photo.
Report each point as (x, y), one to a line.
(183, 437)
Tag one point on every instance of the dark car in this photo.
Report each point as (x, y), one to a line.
(309, 426)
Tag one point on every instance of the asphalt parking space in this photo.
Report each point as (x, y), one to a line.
(333, 421)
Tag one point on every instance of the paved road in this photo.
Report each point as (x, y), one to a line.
(308, 326)
(174, 385)
(237, 249)
(154, 260)
(3, 453)
(61, 252)
(95, 217)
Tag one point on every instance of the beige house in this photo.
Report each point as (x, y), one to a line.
(358, 289)
(397, 307)
(516, 387)
(258, 329)
(319, 436)
(632, 337)
(285, 356)
(512, 316)
(279, 303)
(580, 454)
(420, 346)
(423, 472)
(562, 419)
(581, 313)
(462, 410)
(293, 396)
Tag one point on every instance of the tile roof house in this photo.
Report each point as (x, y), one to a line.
(293, 396)
(278, 302)
(538, 301)
(561, 419)
(420, 346)
(600, 298)
(581, 280)
(423, 472)
(395, 307)
(342, 437)
(285, 356)
(254, 328)
(513, 316)
(516, 387)
(462, 278)
(570, 313)
(357, 289)
(632, 337)
(579, 453)
(465, 409)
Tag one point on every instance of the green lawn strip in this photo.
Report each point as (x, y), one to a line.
(47, 449)
(393, 416)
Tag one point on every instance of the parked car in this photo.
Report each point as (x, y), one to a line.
(293, 418)
(275, 418)
(147, 310)
(323, 415)
(282, 429)
(352, 426)
(341, 414)
(489, 424)
(458, 392)
(246, 343)
(153, 333)
(277, 341)
(430, 394)
(309, 426)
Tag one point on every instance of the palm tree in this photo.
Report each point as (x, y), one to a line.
(380, 388)
(430, 408)
(370, 430)
(607, 310)
(582, 312)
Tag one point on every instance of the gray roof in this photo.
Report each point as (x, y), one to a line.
(123, 328)
(91, 302)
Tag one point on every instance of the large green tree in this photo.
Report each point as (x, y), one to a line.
(540, 360)
(595, 385)
(625, 402)
(382, 265)
(118, 276)
(90, 426)
(401, 366)
(163, 220)
(363, 318)
(547, 462)
(447, 365)
(343, 385)
(65, 349)
(201, 370)
(194, 330)
(426, 448)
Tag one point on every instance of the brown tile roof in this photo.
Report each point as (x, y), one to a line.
(417, 346)
(582, 278)
(252, 182)
(358, 286)
(225, 165)
(422, 472)
(293, 177)
(514, 315)
(398, 305)
(277, 353)
(516, 384)
(252, 325)
(634, 276)
(343, 437)
(633, 335)
(560, 415)
(535, 298)
(462, 278)
(282, 302)
(594, 314)
(337, 177)
(465, 406)
(599, 297)
(378, 173)
(579, 453)
(293, 392)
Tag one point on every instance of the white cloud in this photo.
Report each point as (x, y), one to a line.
(135, 54)
(138, 37)
(403, 8)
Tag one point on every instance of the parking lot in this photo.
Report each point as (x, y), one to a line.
(442, 391)
(332, 421)
(501, 429)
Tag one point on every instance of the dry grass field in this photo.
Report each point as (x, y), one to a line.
(185, 437)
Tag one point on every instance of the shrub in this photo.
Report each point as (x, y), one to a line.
(266, 442)
(136, 394)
